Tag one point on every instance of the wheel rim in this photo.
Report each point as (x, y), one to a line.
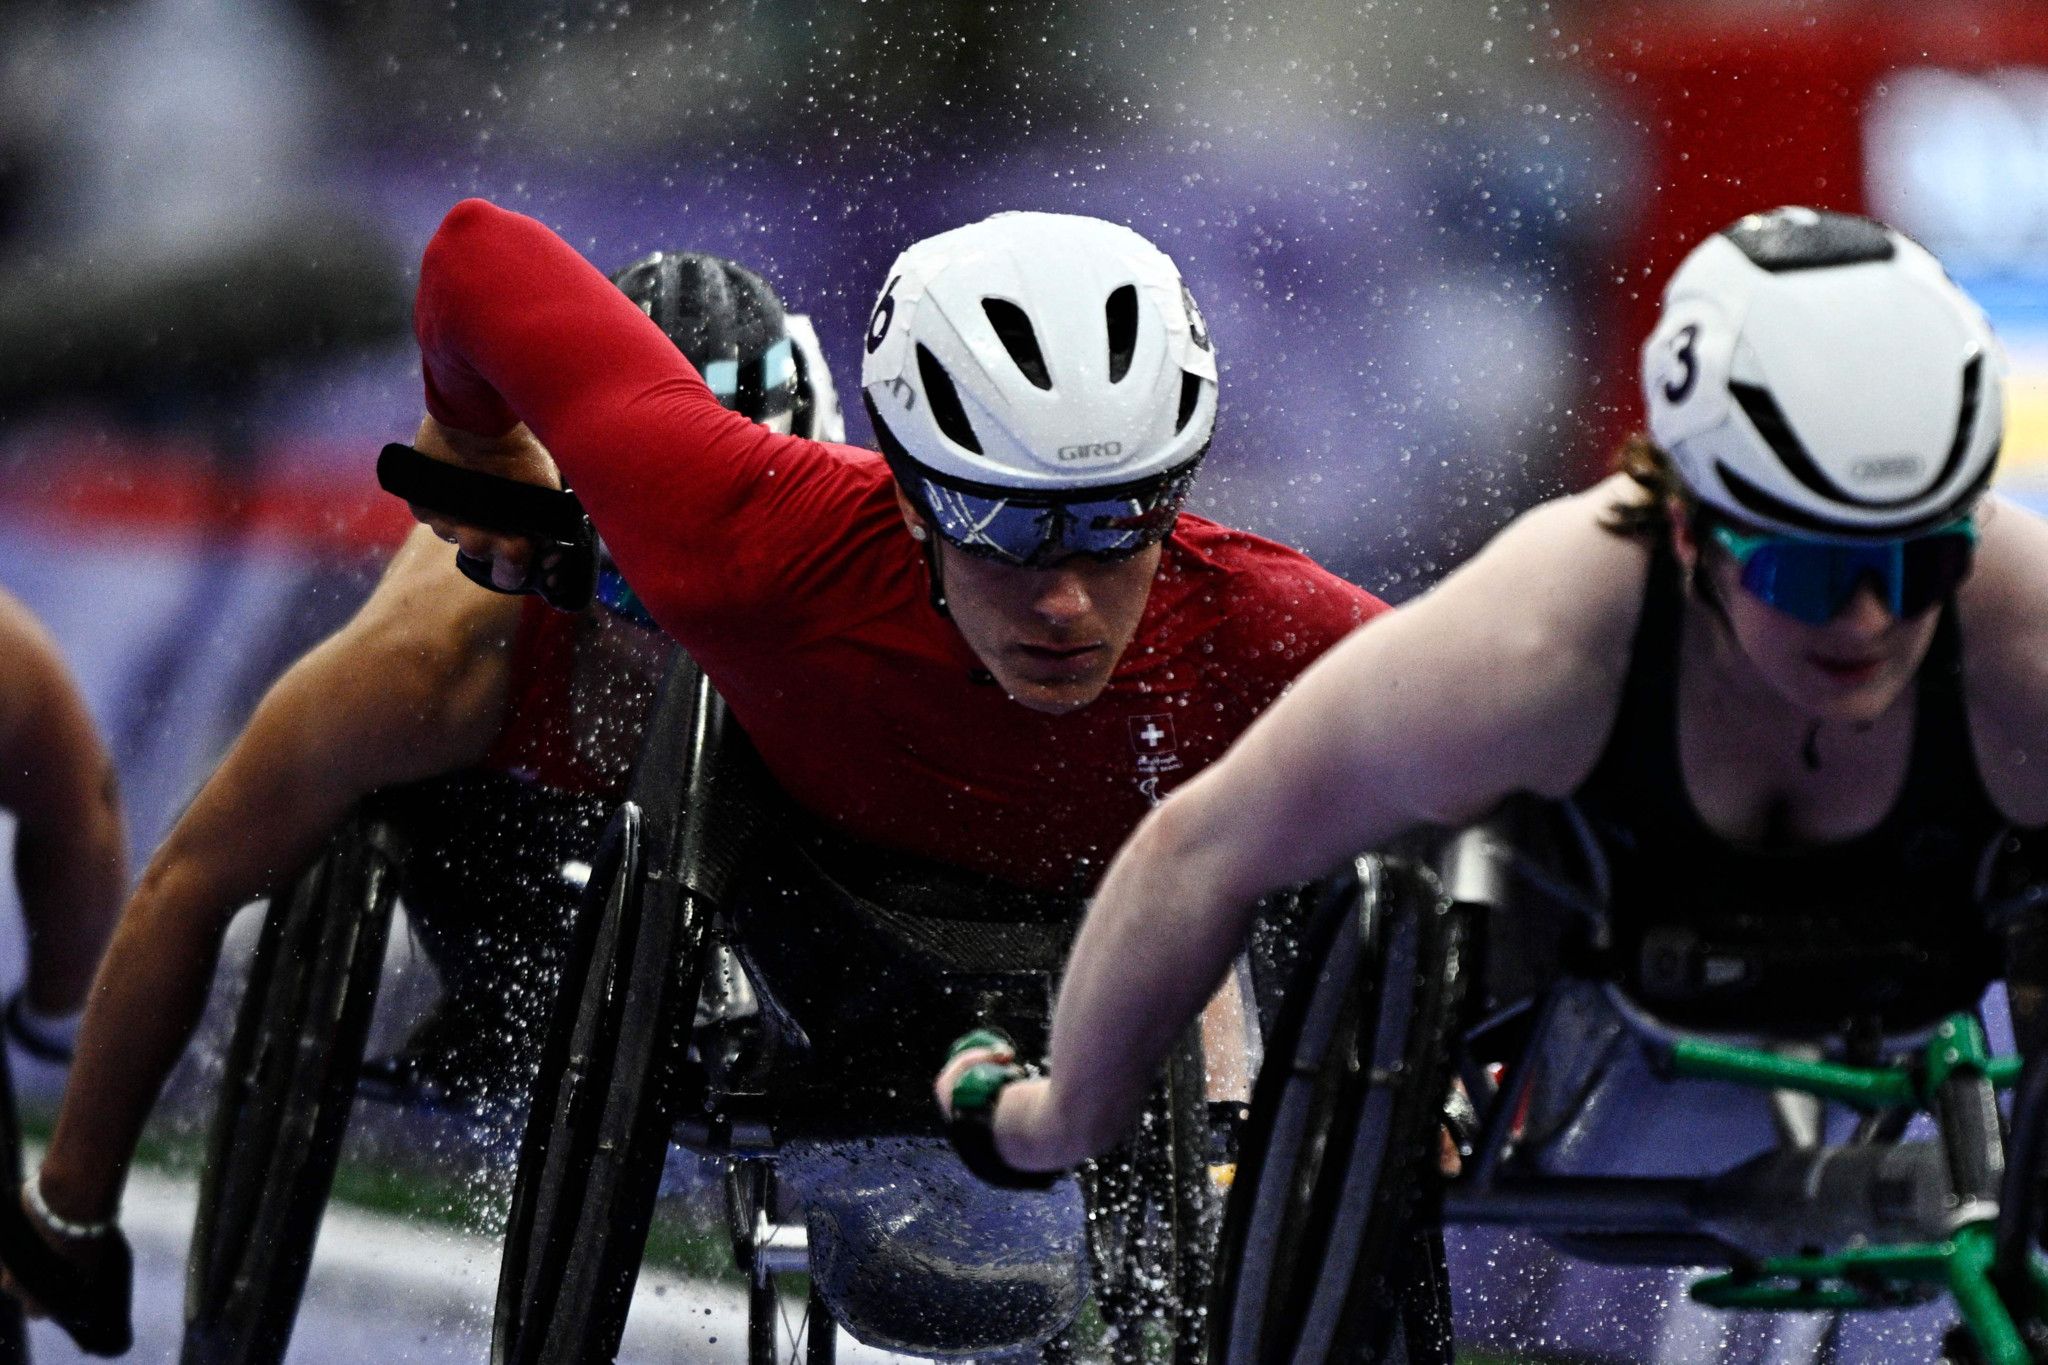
(1268, 1257)
(276, 1136)
(1305, 1258)
(591, 1160)
(548, 1184)
(1150, 1233)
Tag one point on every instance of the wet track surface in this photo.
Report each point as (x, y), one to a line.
(386, 1291)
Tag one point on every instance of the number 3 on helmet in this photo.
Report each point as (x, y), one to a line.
(1817, 374)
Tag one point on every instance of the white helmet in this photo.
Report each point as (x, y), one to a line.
(1038, 359)
(1817, 373)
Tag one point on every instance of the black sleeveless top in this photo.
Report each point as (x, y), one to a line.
(1882, 929)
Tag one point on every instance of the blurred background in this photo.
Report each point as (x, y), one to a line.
(1428, 236)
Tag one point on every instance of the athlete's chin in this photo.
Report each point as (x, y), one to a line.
(1053, 696)
(1849, 697)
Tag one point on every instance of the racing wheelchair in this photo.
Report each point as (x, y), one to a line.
(294, 1061)
(756, 989)
(1454, 966)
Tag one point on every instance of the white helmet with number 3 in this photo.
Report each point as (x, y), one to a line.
(1040, 353)
(1818, 374)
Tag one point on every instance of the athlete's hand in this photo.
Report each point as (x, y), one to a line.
(74, 1250)
(1018, 1107)
(962, 1063)
(98, 1261)
(518, 454)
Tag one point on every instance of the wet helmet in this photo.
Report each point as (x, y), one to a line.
(1041, 385)
(1818, 374)
(728, 321)
(816, 414)
(760, 361)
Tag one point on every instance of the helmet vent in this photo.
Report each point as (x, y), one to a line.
(1190, 394)
(945, 401)
(1786, 240)
(1013, 329)
(1122, 314)
(1966, 418)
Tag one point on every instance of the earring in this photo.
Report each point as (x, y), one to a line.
(917, 533)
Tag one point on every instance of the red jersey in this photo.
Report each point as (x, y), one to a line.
(538, 743)
(783, 566)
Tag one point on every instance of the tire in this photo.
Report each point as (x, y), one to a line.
(597, 1132)
(289, 1084)
(772, 1337)
(2022, 1230)
(1330, 1250)
(13, 1336)
(1152, 1216)
(603, 1106)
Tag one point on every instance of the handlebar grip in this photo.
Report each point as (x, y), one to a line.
(563, 570)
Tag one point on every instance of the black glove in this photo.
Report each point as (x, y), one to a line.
(972, 1128)
(93, 1306)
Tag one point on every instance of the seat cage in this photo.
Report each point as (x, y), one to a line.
(1898, 1220)
(865, 962)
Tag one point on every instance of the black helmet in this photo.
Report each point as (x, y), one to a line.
(727, 320)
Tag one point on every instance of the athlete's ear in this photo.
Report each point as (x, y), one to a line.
(913, 520)
(1684, 545)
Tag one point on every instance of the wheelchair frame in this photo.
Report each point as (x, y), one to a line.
(1357, 1288)
(660, 884)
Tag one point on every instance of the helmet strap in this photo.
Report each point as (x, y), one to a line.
(1699, 581)
(930, 546)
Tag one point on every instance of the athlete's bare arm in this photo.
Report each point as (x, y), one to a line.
(70, 857)
(413, 686)
(2004, 617)
(1503, 679)
(2004, 606)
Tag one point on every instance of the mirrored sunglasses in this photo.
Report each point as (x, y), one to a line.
(1813, 580)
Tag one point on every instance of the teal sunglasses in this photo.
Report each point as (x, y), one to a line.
(1812, 580)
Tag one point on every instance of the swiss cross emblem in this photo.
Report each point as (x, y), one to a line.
(1152, 740)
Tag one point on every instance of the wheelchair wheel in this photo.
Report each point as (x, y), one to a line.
(284, 1104)
(1152, 1220)
(2023, 1206)
(1328, 1247)
(597, 1131)
(598, 1126)
(775, 1334)
(13, 1338)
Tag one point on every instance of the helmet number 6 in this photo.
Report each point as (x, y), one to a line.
(885, 313)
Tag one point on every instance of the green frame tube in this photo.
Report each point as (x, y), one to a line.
(1884, 1275)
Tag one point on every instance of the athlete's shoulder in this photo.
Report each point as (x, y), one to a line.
(1256, 572)
(820, 492)
(2004, 611)
(1555, 596)
(2010, 579)
(1569, 559)
(864, 468)
(1258, 611)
